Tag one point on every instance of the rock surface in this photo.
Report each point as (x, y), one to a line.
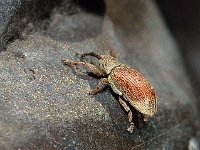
(45, 105)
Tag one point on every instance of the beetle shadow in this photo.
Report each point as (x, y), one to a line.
(137, 116)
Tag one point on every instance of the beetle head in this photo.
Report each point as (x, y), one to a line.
(107, 63)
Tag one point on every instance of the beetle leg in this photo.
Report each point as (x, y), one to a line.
(89, 67)
(102, 84)
(146, 117)
(127, 109)
(130, 115)
(90, 54)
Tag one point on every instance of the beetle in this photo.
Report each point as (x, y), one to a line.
(128, 83)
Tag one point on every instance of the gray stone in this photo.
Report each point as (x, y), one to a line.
(45, 105)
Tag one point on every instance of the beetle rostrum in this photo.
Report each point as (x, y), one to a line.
(128, 83)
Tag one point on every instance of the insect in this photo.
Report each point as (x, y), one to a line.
(128, 83)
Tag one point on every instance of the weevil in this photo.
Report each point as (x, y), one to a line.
(128, 83)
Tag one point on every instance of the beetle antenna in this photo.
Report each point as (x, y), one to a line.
(90, 54)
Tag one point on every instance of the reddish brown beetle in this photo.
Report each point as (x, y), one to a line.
(125, 81)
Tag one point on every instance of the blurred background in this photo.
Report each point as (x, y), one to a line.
(183, 20)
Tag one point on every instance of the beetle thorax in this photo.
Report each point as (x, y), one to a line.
(108, 63)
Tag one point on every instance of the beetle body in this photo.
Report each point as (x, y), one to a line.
(134, 88)
(124, 81)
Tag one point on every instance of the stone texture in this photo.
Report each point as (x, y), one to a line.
(15, 14)
(45, 105)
